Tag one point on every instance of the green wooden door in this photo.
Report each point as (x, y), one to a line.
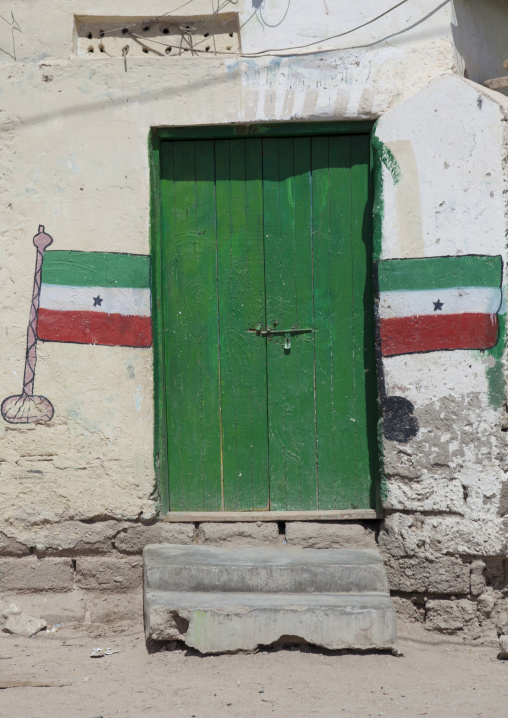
(267, 323)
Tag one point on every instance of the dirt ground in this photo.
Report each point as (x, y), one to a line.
(435, 677)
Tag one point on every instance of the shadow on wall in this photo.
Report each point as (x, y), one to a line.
(481, 39)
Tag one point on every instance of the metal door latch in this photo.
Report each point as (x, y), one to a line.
(286, 333)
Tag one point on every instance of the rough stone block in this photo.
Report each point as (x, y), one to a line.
(71, 537)
(450, 616)
(454, 535)
(109, 574)
(239, 534)
(134, 539)
(477, 577)
(446, 575)
(54, 608)
(503, 645)
(10, 547)
(22, 624)
(431, 493)
(313, 534)
(115, 608)
(398, 536)
(486, 603)
(500, 615)
(33, 574)
(408, 610)
(403, 535)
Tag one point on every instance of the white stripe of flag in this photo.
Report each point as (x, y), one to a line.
(115, 300)
(459, 300)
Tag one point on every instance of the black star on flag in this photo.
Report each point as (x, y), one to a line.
(438, 306)
(97, 301)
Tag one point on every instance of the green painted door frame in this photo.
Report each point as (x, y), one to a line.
(287, 130)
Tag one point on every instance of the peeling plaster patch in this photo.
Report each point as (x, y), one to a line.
(457, 436)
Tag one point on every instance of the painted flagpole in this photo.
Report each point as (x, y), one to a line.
(27, 408)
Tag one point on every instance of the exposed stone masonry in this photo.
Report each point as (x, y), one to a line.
(92, 572)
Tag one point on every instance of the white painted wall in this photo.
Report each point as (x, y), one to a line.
(74, 157)
(450, 142)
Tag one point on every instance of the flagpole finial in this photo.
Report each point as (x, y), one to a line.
(42, 240)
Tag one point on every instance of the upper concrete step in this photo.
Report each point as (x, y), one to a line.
(267, 570)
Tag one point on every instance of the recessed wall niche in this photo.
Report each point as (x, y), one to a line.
(99, 37)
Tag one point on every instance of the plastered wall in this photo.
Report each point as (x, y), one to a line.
(449, 141)
(74, 157)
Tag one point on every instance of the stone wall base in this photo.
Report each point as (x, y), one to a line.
(91, 573)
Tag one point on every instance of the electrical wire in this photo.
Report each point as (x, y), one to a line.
(280, 21)
(278, 52)
(148, 20)
(326, 39)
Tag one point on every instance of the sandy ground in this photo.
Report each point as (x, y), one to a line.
(435, 677)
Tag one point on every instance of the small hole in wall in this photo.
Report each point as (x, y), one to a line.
(465, 492)
(101, 33)
(168, 50)
(124, 31)
(89, 36)
(165, 31)
(207, 34)
(145, 50)
(146, 28)
(228, 47)
(230, 34)
(101, 48)
(207, 48)
(90, 49)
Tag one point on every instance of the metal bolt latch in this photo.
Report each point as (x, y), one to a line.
(286, 333)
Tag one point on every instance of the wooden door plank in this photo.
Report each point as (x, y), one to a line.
(273, 268)
(333, 298)
(302, 493)
(342, 300)
(208, 336)
(288, 266)
(365, 373)
(242, 306)
(192, 376)
(323, 312)
(171, 322)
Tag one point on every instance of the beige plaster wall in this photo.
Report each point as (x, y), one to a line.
(74, 157)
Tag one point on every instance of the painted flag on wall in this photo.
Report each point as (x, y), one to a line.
(439, 303)
(95, 298)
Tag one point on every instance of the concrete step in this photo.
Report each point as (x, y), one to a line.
(224, 622)
(219, 600)
(268, 570)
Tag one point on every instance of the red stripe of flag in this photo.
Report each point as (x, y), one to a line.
(94, 328)
(408, 335)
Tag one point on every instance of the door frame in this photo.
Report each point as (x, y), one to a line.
(161, 465)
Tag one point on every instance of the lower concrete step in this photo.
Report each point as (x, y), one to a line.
(218, 622)
(218, 600)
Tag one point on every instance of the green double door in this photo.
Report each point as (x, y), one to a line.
(267, 323)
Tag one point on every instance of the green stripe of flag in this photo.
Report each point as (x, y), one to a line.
(96, 269)
(440, 273)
